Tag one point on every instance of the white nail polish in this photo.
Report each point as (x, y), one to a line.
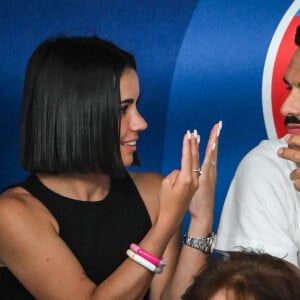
(219, 128)
(198, 139)
(188, 134)
(195, 133)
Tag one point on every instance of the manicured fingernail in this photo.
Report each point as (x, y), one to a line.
(279, 151)
(188, 134)
(198, 139)
(195, 133)
(220, 127)
(287, 137)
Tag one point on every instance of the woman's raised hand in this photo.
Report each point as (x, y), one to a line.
(179, 186)
(202, 204)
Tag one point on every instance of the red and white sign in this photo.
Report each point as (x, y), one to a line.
(280, 52)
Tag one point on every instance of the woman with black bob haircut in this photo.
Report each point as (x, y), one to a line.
(80, 226)
(71, 107)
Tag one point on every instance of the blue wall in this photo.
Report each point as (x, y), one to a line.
(198, 61)
(146, 28)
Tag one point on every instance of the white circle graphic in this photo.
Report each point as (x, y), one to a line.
(269, 66)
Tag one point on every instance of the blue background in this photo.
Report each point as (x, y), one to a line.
(198, 62)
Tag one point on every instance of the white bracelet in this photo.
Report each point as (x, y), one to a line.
(143, 262)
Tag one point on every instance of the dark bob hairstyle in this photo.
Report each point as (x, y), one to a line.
(71, 106)
(246, 276)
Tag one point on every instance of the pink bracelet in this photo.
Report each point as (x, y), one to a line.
(144, 262)
(148, 256)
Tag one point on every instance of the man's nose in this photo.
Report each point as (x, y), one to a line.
(291, 105)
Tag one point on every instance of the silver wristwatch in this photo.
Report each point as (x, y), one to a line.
(202, 244)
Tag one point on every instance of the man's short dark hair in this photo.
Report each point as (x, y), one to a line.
(71, 106)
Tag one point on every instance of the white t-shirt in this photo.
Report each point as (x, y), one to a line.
(262, 206)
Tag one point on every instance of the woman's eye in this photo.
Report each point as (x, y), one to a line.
(123, 109)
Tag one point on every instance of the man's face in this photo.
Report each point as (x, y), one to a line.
(291, 106)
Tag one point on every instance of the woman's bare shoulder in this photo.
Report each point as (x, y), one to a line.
(21, 216)
(14, 199)
(149, 178)
(17, 206)
(17, 197)
(148, 185)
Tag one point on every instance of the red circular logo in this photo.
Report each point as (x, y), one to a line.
(281, 50)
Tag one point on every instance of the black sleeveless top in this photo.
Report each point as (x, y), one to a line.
(98, 233)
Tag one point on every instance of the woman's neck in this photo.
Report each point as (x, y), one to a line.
(84, 187)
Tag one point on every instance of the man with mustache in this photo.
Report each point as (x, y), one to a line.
(262, 206)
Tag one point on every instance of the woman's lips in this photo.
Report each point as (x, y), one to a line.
(130, 145)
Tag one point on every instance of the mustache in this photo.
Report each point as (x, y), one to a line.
(291, 120)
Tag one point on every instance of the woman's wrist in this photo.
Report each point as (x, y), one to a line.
(158, 238)
(165, 223)
(204, 244)
(200, 226)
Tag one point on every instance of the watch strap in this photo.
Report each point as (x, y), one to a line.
(202, 244)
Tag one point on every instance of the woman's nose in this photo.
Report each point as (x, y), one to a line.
(138, 123)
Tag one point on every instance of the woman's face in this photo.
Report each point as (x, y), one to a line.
(131, 121)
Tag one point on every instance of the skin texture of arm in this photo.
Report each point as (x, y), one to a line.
(149, 193)
(32, 249)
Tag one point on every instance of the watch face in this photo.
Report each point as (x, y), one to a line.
(202, 244)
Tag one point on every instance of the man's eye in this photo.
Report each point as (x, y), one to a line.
(287, 85)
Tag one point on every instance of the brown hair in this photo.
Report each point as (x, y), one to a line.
(246, 275)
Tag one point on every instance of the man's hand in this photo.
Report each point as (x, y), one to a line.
(292, 152)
